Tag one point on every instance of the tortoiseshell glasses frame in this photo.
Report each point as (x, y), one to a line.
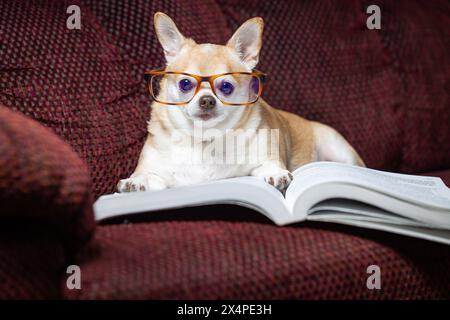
(149, 74)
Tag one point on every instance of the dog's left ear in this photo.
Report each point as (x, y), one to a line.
(247, 41)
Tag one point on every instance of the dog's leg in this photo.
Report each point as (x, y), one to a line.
(149, 173)
(331, 146)
(141, 182)
(274, 173)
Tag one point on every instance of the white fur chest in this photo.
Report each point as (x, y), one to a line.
(187, 161)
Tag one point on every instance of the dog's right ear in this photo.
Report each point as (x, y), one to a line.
(168, 35)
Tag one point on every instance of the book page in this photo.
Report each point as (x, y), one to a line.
(424, 199)
(425, 191)
(244, 191)
(349, 209)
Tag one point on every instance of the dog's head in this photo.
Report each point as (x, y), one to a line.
(219, 102)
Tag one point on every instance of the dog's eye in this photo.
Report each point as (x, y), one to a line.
(254, 84)
(226, 88)
(185, 85)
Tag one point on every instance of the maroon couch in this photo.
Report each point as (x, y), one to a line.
(73, 121)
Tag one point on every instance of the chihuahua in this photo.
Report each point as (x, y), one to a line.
(217, 88)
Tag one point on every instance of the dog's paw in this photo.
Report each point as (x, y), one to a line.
(280, 180)
(145, 182)
(274, 175)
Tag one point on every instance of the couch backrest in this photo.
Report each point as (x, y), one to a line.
(385, 91)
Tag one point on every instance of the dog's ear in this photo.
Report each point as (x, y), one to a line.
(168, 35)
(247, 41)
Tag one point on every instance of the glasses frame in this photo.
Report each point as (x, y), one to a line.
(149, 74)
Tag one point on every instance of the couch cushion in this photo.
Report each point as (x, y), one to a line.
(386, 91)
(43, 183)
(249, 260)
(31, 262)
(45, 207)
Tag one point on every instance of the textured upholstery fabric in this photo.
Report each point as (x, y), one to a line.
(386, 91)
(42, 181)
(416, 37)
(130, 26)
(45, 208)
(31, 262)
(223, 260)
(74, 82)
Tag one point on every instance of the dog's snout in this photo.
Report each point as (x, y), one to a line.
(207, 102)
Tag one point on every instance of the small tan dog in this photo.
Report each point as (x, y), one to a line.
(215, 87)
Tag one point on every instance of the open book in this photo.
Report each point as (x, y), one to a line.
(410, 205)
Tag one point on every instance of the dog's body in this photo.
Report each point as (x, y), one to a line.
(173, 154)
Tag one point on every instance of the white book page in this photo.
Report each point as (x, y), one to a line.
(244, 191)
(341, 208)
(425, 191)
(424, 199)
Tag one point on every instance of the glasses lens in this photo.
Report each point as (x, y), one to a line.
(237, 88)
(173, 88)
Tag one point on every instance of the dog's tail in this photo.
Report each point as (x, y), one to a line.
(330, 145)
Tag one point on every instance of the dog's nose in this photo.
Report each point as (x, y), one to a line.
(207, 102)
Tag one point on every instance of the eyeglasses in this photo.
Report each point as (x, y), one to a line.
(179, 88)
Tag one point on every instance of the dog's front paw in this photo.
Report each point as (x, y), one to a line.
(276, 176)
(144, 182)
(280, 180)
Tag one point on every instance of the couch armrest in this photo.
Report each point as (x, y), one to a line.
(42, 181)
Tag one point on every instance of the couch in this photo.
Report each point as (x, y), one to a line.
(73, 120)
